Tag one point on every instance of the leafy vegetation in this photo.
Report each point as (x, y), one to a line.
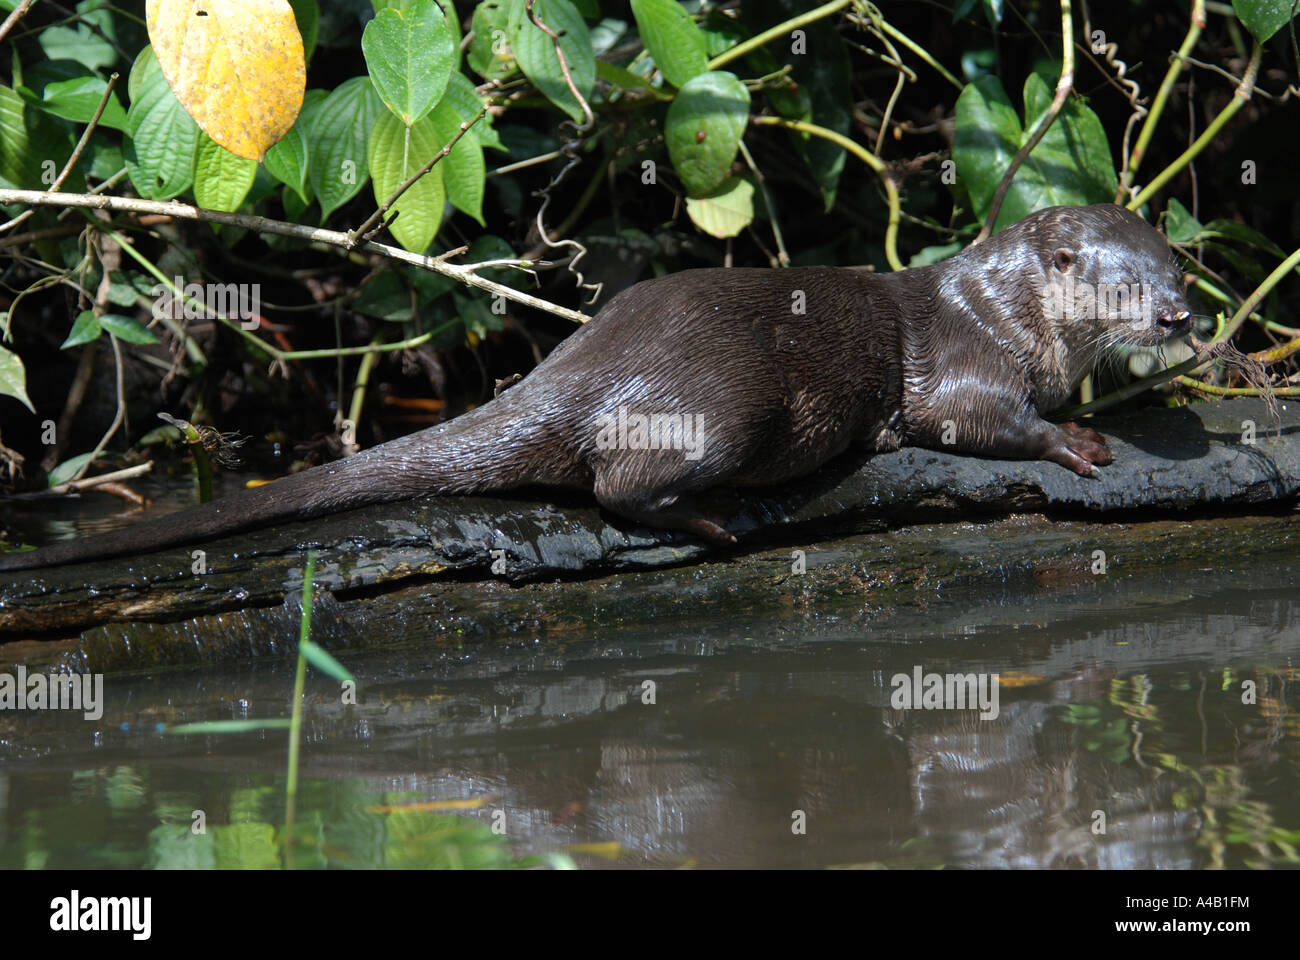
(564, 149)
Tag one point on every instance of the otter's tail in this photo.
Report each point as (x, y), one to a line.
(482, 450)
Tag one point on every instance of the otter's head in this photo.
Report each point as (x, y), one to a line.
(1109, 277)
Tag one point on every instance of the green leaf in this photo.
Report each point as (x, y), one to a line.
(1071, 165)
(340, 130)
(126, 328)
(13, 378)
(221, 179)
(396, 152)
(1232, 230)
(307, 14)
(84, 329)
(410, 54)
(464, 172)
(1180, 225)
(605, 35)
(928, 255)
(490, 54)
(676, 43)
(68, 469)
(163, 137)
(321, 659)
(1262, 18)
(535, 51)
(627, 80)
(464, 99)
(704, 127)
(726, 211)
(77, 100)
(80, 43)
(32, 149)
(287, 160)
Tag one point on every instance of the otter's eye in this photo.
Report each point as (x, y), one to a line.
(1062, 258)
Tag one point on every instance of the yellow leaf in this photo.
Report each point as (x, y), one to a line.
(235, 65)
(725, 210)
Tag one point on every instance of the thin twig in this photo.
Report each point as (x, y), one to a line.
(1240, 97)
(184, 211)
(363, 231)
(87, 483)
(1063, 87)
(76, 154)
(570, 150)
(14, 17)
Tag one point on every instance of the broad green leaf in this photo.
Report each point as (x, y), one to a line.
(287, 160)
(465, 100)
(1071, 165)
(340, 130)
(535, 51)
(32, 150)
(84, 329)
(673, 39)
(1180, 225)
(1263, 18)
(490, 54)
(704, 127)
(322, 660)
(396, 152)
(627, 80)
(126, 328)
(605, 35)
(464, 172)
(928, 255)
(68, 469)
(163, 137)
(78, 99)
(1232, 230)
(91, 48)
(410, 54)
(448, 12)
(221, 179)
(726, 210)
(307, 13)
(13, 378)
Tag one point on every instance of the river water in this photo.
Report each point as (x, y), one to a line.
(1137, 727)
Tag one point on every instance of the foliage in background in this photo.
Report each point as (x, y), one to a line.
(669, 170)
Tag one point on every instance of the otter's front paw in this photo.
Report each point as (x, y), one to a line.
(1080, 448)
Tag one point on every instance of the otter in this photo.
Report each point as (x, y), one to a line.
(749, 377)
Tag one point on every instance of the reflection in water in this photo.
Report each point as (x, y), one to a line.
(1159, 741)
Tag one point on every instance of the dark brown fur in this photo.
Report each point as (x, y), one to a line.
(964, 347)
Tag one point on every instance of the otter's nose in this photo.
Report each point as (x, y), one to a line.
(1173, 323)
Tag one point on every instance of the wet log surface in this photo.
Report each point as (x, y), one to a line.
(895, 528)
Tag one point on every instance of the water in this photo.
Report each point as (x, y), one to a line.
(1136, 729)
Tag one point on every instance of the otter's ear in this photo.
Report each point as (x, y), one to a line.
(1062, 259)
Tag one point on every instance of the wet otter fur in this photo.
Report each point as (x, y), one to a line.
(962, 355)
